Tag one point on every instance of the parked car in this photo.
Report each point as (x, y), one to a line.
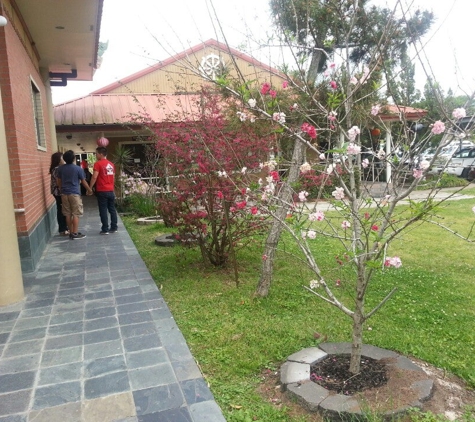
(447, 153)
(461, 163)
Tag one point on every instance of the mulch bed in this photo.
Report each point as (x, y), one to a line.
(333, 373)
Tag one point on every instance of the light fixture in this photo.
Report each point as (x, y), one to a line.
(3, 21)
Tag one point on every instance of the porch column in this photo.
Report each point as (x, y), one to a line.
(11, 280)
(389, 142)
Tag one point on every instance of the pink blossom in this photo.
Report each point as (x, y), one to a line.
(285, 84)
(265, 88)
(338, 193)
(279, 117)
(254, 210)
(305, 167)
(338, 282)
(459, 113)
(275, 176)
(241, 205)
(365, 75)
(242, 116)
(273, 93)
(332, 116)
(311, 234)
(294, 107)
(375, 109)
(345, 224)
(438, 127)
(353, 149)
(333, 85)
(264, 257)
(303, 196)
(365, 163)
(220, 195)
(374, 227)
(393, 262)
(366, 216)
(309, 130)
(353, 133)
(353, 80)
(317, 216)
(417, 173)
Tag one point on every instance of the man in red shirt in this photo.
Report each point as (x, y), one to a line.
(103, 178)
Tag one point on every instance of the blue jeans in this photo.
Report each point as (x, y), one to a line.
(106, 202)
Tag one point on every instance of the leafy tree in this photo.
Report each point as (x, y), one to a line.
(321, 27)
(402, 87)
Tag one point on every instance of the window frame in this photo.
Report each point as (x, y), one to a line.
(38, 115)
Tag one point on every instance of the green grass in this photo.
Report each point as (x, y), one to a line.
(234, 336)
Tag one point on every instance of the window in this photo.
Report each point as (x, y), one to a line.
(38, 116)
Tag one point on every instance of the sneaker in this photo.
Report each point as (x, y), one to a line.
(113, 231)
(76, 236)
(103, 233)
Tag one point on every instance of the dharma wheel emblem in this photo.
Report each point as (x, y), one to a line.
(211, 66)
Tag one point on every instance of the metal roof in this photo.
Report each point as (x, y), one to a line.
(113, 109)
(394, 113)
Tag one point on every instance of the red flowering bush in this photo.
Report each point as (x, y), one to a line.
(209, 164)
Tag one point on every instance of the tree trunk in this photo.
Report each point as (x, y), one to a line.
(285, 198)
(358, 321)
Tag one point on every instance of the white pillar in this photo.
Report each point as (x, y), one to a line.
(389, 142)
(11, 280)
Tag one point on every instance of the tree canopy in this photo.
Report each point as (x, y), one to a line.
(321, 27)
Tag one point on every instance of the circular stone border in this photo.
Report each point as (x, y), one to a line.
(167, 240)
(295, 379)
(150, 220)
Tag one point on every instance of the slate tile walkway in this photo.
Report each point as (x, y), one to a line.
(93, 340)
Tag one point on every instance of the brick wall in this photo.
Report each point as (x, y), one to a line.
(28, 164)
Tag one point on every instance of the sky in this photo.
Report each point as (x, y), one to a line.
(143, 32)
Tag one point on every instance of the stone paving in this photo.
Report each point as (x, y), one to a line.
(93, 340)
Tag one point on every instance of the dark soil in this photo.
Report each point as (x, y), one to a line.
(333, 373)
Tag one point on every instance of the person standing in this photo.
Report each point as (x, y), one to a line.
(56, 161)
(103, 177)
(69, 177)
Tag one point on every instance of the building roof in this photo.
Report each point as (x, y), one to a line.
(184, 56)
(395, 113)
(113, 109)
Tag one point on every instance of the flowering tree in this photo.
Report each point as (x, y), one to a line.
(344, 127)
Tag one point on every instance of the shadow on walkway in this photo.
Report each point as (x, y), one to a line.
(93, 340)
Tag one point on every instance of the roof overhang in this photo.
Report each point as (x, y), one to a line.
(64, 33)
(396, 113)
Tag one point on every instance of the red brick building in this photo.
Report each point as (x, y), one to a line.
(42, 43)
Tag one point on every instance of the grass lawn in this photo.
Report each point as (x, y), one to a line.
(234, 337)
